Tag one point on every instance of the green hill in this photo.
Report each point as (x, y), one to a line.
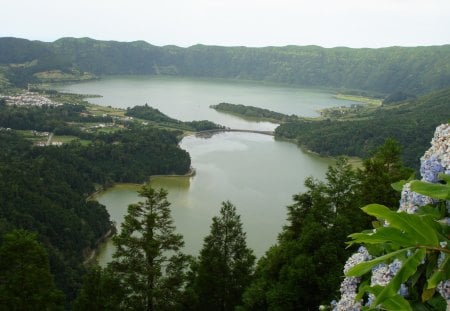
(412, 70)
(411, 123)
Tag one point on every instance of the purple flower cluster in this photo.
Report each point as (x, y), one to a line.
(430, 168)
(411, 201)
(436, 160)
(349, 287)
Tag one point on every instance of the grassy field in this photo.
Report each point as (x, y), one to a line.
(360, 99)
(67, 139)
(100, 110)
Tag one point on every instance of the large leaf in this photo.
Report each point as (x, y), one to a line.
(383, 235)
(366, 266)
(397, 303)
(394, 303)
(398, 186)
(436, 191)
(421, 229)
(442, 273)
(409, 267)
(444, 177)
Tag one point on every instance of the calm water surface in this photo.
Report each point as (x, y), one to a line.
(189, 99)
(256, 173)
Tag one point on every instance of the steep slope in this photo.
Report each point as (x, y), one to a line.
(413, 70)
(411, 123)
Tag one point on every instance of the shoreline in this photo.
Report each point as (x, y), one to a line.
(90, 255)
(191, 173)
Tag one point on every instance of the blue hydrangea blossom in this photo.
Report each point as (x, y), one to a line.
(435, 160)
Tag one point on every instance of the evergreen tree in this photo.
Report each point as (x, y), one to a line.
(380, 171)
(148, 260)
(25, 279)
(225, 264)
(303, 269)
(101, 290)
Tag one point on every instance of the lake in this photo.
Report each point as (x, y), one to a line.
(255, 172)
(188, 99)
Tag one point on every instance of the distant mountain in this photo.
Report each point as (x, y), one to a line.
(411, 70)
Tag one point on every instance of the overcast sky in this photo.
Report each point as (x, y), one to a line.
(328, 23)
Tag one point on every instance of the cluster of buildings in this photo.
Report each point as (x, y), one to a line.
(29, 99)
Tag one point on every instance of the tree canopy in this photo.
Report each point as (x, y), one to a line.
(148, 260)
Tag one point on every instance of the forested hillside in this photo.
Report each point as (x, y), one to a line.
(45, 189)
(411, 123)
(414, 70)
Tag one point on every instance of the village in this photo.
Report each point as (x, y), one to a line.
(29, 99)
(45, 138)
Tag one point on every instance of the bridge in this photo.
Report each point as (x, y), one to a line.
(271, 133)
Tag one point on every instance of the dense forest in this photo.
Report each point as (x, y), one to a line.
(253, 112)
(45, 189)
(415, 70)
(154, 115)
(409, 122)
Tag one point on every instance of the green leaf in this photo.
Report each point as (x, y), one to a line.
(431, 211)
(435, 191)
(428, 293)
(362, 290)
(383, 235)
(438, 303)
(409, 267)
(421, 229)
(397, 303)
(366, 266)
(398, 186)
(440, 274)
(444, 177)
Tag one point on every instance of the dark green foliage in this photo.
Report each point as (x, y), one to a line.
(132, 156)
(48, 118)
(380, 171)
(44, 189)
(302, 270)
(154, 115)
(411, 124)
(101, 290)
(148, 261)
(149, 113)
(225, 265)
(25, 279)
(203, 125)
(415, 70)
(397, 97)
(252, 112)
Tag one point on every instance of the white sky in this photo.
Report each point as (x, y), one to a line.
(328, 23)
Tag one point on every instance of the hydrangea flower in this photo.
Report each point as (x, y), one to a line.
(349, 286)
(411, 201)
(430, 168)
(435, 160)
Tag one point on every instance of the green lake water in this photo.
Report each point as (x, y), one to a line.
(255, 172)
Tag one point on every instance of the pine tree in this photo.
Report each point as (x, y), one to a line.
(25, 279)
(148, 260)
(101, 290)
(225, 265)
(380, 171)
(303, 269)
